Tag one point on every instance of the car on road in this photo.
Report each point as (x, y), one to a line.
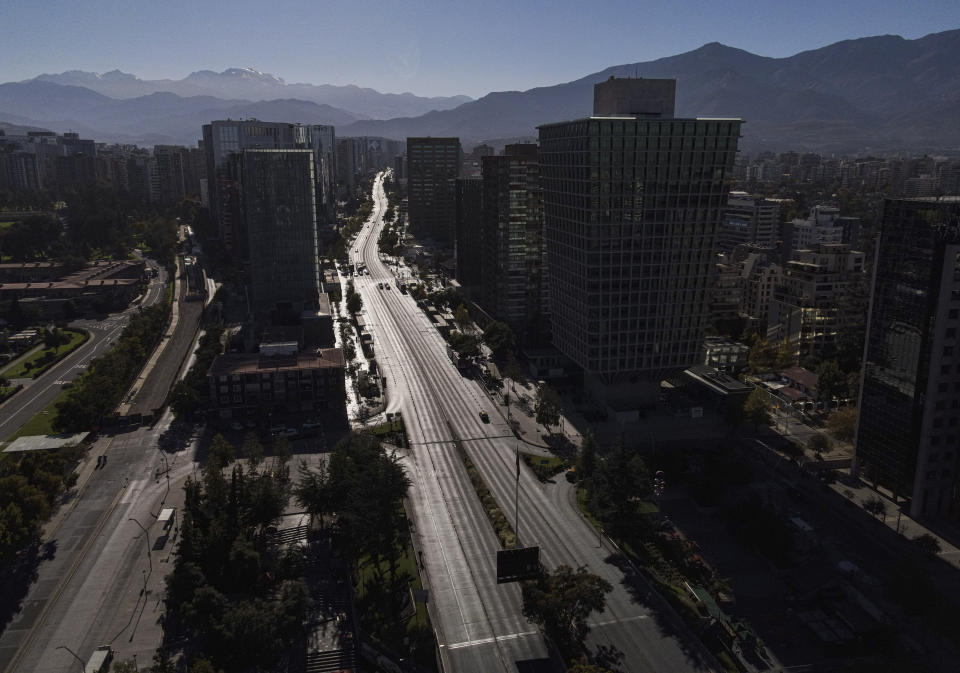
(288, 432)
(484, 416)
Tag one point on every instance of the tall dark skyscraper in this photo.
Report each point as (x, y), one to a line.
(633, 200)
(513, 262)
(224, 138)
(281, 216)
(910, 400)
(433, 165)
(469, 214)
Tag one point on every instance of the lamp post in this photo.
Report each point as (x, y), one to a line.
(64, 647)
(149, 557)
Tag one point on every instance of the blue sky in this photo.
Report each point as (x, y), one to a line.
(429, 47)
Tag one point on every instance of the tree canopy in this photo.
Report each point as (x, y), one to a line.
(560, 603)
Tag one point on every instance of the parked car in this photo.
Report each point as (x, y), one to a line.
(484, 416)
(236, 425)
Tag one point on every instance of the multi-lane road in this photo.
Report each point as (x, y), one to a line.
(480, 624)
(45, 388)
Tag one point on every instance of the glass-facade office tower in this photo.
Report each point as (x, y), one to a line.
(469, 212)
(632, 207)
(513, 267)
(907, 435)
(433, 165)
(224, 138)
(280, 207)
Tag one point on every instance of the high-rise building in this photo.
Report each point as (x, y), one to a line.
(632, 207)
(433, 165)
(513, 251)
(281, 221)
(224, 138)
(750, 219)
(469, 223)
(907, 436)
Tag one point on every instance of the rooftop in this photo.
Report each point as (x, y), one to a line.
(252, 363)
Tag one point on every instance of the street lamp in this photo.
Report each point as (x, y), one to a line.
(64, 647)
(149, 557)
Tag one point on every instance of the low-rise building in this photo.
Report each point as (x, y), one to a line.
(725, 355)
(277, 380)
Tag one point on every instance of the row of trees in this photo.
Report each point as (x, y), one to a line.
(95, 394)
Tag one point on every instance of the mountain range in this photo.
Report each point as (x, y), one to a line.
(253, 85)
(870, 94)
(877, 93)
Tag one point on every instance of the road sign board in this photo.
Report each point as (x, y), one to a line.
(515, 565)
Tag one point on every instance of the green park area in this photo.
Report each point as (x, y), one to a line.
(38, 360)
(41, 423)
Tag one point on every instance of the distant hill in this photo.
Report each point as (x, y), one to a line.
(151, 119)
(250, 84)
(872, 93)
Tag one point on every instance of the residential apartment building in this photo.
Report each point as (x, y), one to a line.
(281, 226)
(750, 219)
(824, 225)
(633, 201)
(433, 165)
(513, 263)
(909, 427)
(809, 307)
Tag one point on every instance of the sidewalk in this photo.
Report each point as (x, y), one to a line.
(895, 519)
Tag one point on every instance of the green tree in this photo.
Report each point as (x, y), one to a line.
(621, 480)
(831, 382)
(786, 355)
(547, 406)
(756, 410)
(501, 340)
(123, 666)
(560, 603)
(818, 443)
(928, 544)
(354, 302)
(54, 338)
(314, 493)
(462, 317)
(222, 452)
(761, 357)
(843, 423)
(252, 449)
(184, 400)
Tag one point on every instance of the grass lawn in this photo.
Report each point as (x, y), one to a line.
(40, 424)
(4, 225)
(36, 361)
(544, 467)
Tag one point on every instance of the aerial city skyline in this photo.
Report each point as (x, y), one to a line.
(649, 367)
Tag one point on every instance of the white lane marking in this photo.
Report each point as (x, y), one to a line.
(487, 641)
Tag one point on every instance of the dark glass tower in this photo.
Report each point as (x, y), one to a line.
(632, 206)
(907, 436)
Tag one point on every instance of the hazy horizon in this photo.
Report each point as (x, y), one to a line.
(427, 48)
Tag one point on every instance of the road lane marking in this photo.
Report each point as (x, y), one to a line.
(492, 639)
